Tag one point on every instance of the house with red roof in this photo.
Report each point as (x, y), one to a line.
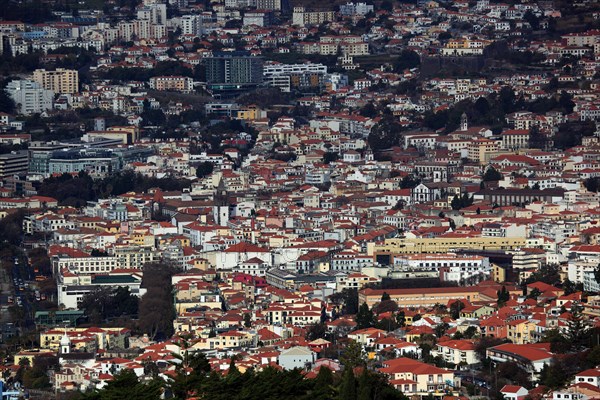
(458, 352)
(414, 377)
(590, 376)
(514, 392)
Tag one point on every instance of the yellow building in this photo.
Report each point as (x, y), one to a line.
(420, 297)
(250, 113)
(520, 331)
(429, 297)
(481, 150)
(395, 246)
(59, 81)
(498, 273)
(102, 338)
(182, 84)
(30, 355)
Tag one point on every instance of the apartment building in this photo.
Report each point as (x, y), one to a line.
(481, 150)
(415, 378)
(457, 352)
(30, 96)
(15, 163)
(59, 81)
(182, 84)
(430, 296)
(301, 17)
(385, 253)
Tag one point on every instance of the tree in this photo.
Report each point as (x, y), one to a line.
(247, 320)
(491, 174)
(7, 105)
(152, 117)
(485, 343)
(406, 60)
(126, 385)
(558, 343)
(347, 299)
(348, 385)
(565, 101)
(578, 329)
(330, 156)
(365, 317)
(455, 309)
(553, 375)
(156, 312)
(385, 296)
(534, 294)
(323, 389)
(316, 331)
(352, 355)
(503, 296)
(401, 318)
(597, 273)
(409, 182)
(532, 19)
(385, 134)
(537, 140)
(547, 273)
(385, 306)
(204, 169)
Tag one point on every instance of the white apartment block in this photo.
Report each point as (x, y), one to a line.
(191, 25)
(274, 68)
(356, 8)
(84, 265)
(30, 97)
(451, 267)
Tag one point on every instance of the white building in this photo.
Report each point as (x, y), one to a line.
(297, 357)
(30, 97)
(72, 288)
(191, 25)
(356, 8)
(457, 352)
(451, 267)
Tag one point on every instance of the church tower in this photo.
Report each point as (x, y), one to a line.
(464, 122)
(65, 343)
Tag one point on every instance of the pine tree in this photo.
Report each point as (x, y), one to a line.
(365, 388)
(365, 317)
(348, 385)
(353, 355)
(323, 389)
(577, 333)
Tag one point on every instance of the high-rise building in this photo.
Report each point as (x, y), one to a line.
(29, 96)
(15, 163)
(155, 13)
(301, 17)
(233, 71)
(191, 25)
(59, 81)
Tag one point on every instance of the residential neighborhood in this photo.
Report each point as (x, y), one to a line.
(290, 199)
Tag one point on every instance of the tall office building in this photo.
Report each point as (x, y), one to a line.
(59, 81)
(233, 71)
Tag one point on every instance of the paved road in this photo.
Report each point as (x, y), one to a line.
(6, 289)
